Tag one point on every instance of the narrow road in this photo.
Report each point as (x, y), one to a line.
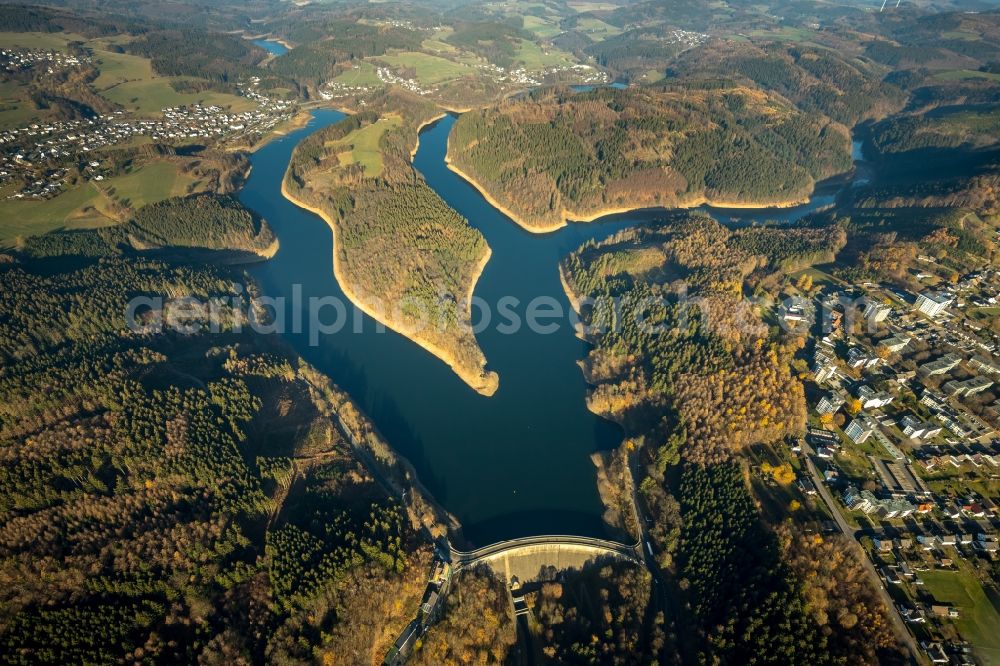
(903, 634)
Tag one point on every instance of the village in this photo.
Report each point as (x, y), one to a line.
(36, 160)
(519, 77)
(18, 60)
(902, 452)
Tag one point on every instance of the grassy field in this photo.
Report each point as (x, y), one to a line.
(961, 34)
(979, 621)
(430, 69)
(984, 313)
(596, 28)
(965, 74)
(786, 34)
(438, 46)
(818, 277)
(130, 81)
(16, 108)
(362, 147)
(153, 182)
(542, 27)
(362, 74)
(119, 68)
(85, 206)
(150, 96)
(124, 79)
(28, 218)
(532, 56)
(45, 41)
(591, 6)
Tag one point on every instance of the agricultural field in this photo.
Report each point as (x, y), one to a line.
(129, 80)
(597, 29)
(15, 107)
(44, 41)
(786, 34)
(583, 7)
(124, 79)
(438, 46)
(151, 183)
(965, 75)
(362, 74)
(979, 621)
(118, 68)
(86, 205)
(544, 28)
(75, 209)
(532, 57)
(149, 96)
(429, 69)
(961, 34)
(362, 147)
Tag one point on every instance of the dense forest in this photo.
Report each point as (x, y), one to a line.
(477, 626)
(202, 221)
(172, 497)
(555, 156)
(496, 42)
(218, 58)
(598, 616)
(320, 58)
(704, 382)
(401, 250)
(949, 127)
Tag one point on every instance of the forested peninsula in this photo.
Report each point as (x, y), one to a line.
(556, 156)
(400, 253)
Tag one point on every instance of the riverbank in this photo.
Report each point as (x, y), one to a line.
(485, 383)
(575, 302)
(420, 128)
(567, 216)
(296, 122)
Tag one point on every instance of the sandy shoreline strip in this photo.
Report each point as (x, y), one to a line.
(485, 383)
(420, 128)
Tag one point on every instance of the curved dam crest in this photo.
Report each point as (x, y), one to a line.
(512, 465)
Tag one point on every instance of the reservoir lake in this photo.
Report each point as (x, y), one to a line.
(514, 464)
(271, 46)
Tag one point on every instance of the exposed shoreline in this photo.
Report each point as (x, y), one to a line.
(485, 383)
(296, 122)
(269, 251)
(568, 216)
(575, 302)
(420, 128)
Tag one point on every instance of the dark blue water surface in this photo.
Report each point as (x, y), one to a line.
(271, 46)
(513, 464)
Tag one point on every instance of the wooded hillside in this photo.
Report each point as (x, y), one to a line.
(401, 252)
(557, 155)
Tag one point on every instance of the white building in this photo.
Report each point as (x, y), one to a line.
(932, 303)
(858, 431)
(876, 312)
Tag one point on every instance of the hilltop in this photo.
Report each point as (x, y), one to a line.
(557, 156)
